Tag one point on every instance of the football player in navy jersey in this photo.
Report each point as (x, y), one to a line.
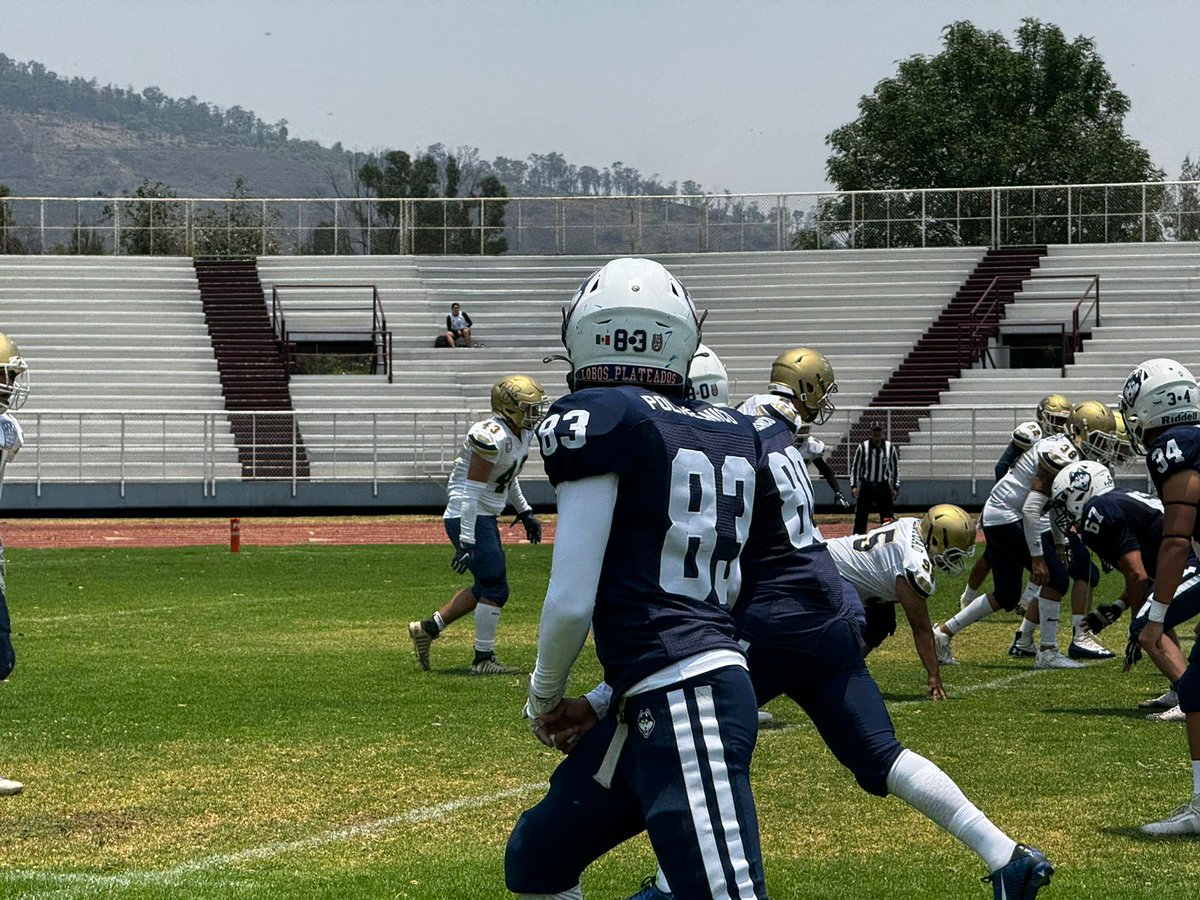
(655, 495)
(1124, 528)
(803, 640)
(1161, 406)
(14, 388)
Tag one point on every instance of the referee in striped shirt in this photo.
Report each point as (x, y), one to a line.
(874, 478)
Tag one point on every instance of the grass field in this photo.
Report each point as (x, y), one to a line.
(192, 723)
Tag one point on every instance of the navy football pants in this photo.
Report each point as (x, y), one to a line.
(1185, 605)
(826, 676)
(487, 561)
(683, 776)
(1009, 557)
(8, 656)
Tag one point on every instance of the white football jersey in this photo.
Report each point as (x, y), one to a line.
(493, 440)
(873, 561)
(12, 438)
(781, 408)
(1008, 496)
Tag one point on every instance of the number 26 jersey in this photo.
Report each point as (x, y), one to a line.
(685, 496)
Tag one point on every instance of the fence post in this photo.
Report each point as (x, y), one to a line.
(263, 241)
(923, 219)
(1143, 220)
(1070, 203)
(42, 223)
(974, 439)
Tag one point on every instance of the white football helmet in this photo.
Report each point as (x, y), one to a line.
(1073, 487)
(1026, 435)
(1158, 393)
(707, 379)
(631, 322)
(14, 387)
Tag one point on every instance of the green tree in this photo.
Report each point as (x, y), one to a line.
(1182, 211)
(984, 113)
(493, 192)
(152, 222)
(241, 227)
(9, 242)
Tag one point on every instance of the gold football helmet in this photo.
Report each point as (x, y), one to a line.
(1125, 451)
(520, 401)
(948, 533)
(807, 378)
(14, 387)
(1053, 410)
(1092, 428)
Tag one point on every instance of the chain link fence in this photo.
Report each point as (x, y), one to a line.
(1070, 214)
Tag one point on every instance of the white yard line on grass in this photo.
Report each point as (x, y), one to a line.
(90, 882)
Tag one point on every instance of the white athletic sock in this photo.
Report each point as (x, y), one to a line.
(660, 881)
(575, 893)
(1050, 611)
(439, 622)
(977, 609)
(1076, 625)
(1121, 605)
(1196, 777)
(487, 623)
(929, 790)
(1027, 628)
(969, 593)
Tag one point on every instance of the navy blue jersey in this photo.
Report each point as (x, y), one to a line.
(1176, 450)
(686, 474)
(1010, 455)
(790, 584)
(1120, 521)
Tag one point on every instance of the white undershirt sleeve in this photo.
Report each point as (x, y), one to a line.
(585, 511)
(1035, 521)
(517, 497)
(470, 503)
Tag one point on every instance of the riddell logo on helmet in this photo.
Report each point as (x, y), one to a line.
(1182, 417)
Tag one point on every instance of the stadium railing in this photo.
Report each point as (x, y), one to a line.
(987, 216)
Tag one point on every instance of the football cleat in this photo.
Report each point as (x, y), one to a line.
(421, 641)
(765, 718)
(492, 666)
(1184, 820)
(1164, 701)
(941, 643)
(1174, 714)
(1085, 646)
(1022, 646)
(1052, 659)
(1023, 876)
(650, 891)
(8, 787)
(1103, 616)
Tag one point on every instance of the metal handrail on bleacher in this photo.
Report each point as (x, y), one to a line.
(380, 334)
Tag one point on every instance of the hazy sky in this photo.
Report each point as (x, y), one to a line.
(735, 95)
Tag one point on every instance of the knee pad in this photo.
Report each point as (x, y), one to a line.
(492, 591)
(872, 777)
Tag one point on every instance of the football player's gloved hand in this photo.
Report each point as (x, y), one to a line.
(1133, 652)
(462, 558)
(839, 500)
(533, 528)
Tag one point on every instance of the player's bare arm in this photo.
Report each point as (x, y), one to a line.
(916, 609)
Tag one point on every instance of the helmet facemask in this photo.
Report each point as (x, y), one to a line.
(14, 388)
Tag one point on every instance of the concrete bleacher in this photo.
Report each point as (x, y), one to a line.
(864, 309)
(1149, 306)
(123, 334)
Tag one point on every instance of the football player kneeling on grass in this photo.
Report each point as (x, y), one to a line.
(14, 388)
(1161, 406)
(482, 482)
(894, 564)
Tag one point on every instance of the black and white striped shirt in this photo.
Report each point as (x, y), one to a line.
(873, 463)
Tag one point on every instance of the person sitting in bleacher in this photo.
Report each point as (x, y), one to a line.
(458, 327)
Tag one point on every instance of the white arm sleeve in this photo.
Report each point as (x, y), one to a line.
(600, 698)
(517, 497)
(1035, 521)
(585, 510)
(470, 503)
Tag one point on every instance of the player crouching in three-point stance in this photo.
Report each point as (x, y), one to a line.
(482, 482)
(1161, 406)
(13, 390)
(894, 564)
(655, 493)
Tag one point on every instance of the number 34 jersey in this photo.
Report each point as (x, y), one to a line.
(685, 497)
(1177, 449)
(493, 440)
